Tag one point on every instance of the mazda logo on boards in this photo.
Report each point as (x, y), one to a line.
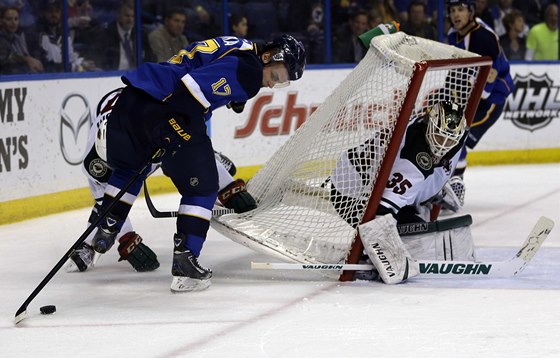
(75, 121)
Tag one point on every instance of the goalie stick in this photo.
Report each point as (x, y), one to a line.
(448, 269)
(434, 226)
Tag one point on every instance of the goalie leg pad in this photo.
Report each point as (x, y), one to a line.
(449, 245)
(140, 256)
(386, 250)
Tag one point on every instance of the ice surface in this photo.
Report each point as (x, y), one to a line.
(112, 310)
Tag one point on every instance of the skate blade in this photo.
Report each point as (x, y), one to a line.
(187, 284)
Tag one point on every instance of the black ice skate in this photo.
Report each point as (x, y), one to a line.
(106, 234)
(82, 258)
(187, 273)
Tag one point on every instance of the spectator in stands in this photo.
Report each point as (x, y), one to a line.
(340, 10)
(346, 46)
(417, 25)
(27, 12)
(238, 25)
(202, 22)
(80, 16)
(105, 12)
(304, 19)
(315, 35)
(168, 39)
(202, 16)
(386, 9)
(47, 42)
(483, 12)
(79, 13)
(532, 10)
(14, 55)
(499, 11)
(513, 42)
(402, 9)
(374, 18)
(542, 41)
(114, 47)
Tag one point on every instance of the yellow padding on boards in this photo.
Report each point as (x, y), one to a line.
(27, 208)
(534, 156)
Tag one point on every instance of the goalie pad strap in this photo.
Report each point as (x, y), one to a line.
(385, 249)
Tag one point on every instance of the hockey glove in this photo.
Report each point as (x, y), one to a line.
(237, 107)
(235, 196)
(452, 196)
(140, 256)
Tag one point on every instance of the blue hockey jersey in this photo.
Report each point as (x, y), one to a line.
(482, 40)
(214, 72)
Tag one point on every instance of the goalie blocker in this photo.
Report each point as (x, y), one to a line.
(394, 257)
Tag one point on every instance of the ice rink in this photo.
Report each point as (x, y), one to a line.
(113, 311)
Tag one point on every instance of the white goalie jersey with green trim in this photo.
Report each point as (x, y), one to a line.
(415, 176)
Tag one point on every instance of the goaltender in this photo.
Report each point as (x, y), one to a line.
(426, 160)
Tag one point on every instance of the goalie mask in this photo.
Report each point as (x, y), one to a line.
(446, 126)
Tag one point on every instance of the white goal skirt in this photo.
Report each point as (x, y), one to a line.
(399, 78)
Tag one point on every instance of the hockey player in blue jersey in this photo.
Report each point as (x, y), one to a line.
(470, 33)
(132, 249)
(165, 106)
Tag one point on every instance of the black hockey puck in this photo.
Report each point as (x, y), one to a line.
(48, 309)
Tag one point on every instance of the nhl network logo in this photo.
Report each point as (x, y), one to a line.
(534, 102)
(75, 119)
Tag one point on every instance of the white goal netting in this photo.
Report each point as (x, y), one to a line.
(299, 218)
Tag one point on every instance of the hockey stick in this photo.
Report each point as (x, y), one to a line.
(448, 269)
(404, 229)
(434, 226)
(217, 211)
(153, 211)
(21, 313)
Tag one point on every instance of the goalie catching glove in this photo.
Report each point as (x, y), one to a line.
(140, 256)
(452, 196)
(235, 196)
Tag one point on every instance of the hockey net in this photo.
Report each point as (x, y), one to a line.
(398, 79)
